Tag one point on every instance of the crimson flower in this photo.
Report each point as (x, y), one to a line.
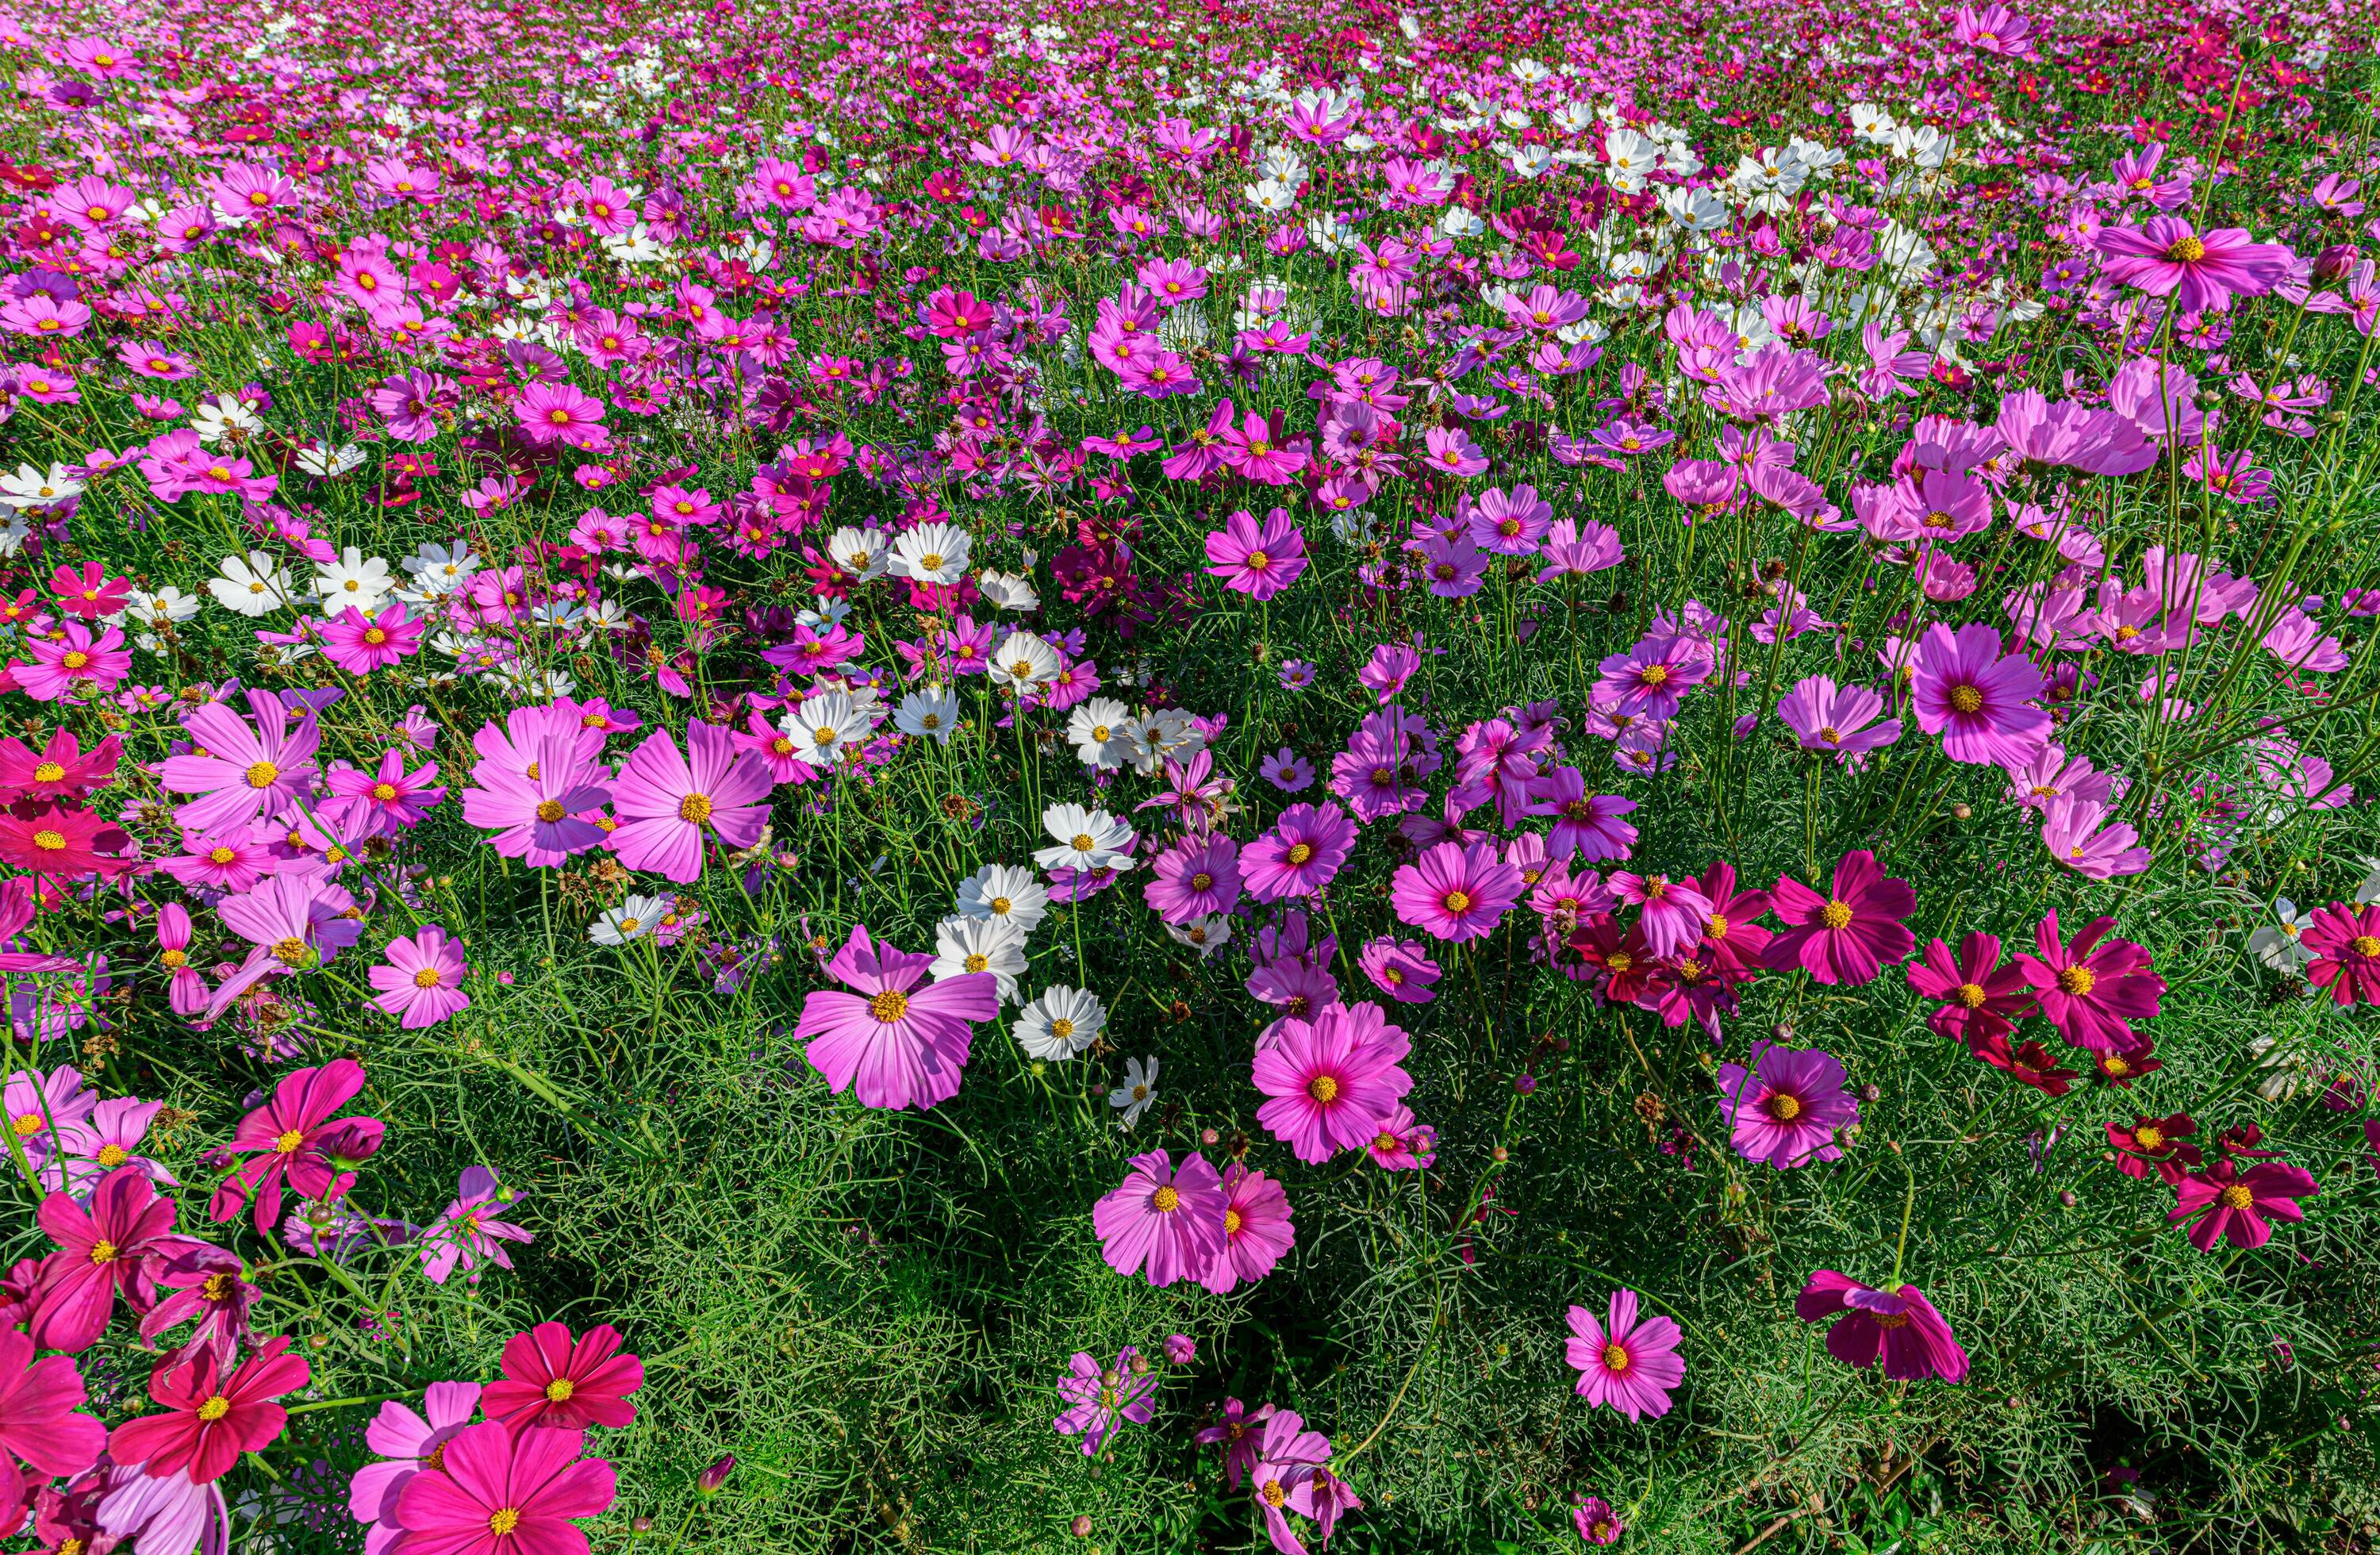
(2155, 1145)
(1847, 936)
(61, 771)
(1979, 997)
(297, 1137)
(116, 1242)
(1732, 942)
(210, 1419)
(551, 1381)
(2028, 1062)
(1627, 963)
(2092, 992)
(2345, 944)
(2233, 1203)
(60, 843)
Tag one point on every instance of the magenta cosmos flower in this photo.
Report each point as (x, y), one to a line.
(1675, 912)
(1626, 1363)
(1597, 1523)
(421, 981)
(553, 1381)
(295, 1135)
(2165, 258)
(1980, 998)
(1837, 721)
(1163, 1223)
(502, 1494)
(665, 805)
(2241, 1205)
(242, 772)
(1299, 854)
(1195, 879)
(408, 1442)
(1847, 935)
(1257, 560)
(1103, 1398)
(1902, 1324)
(1586, 826)
(2092, 990)
(1332, 1080)
(1976, 699)
(120, 1241)
(2345, 944)
(1785, 1108)
(1455, 893)
(210, 1418)
(1650, 679)
(1399, 971)
(359, 644)
(38, 1423)
(1258, 1231)
(893, 1043)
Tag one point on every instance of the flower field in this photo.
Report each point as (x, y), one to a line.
(875, 777)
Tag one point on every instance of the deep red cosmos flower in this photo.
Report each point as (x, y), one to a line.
(210, 1419)
(2155, 1145)
(2236, 1204)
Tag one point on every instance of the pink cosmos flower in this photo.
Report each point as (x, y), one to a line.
(1977, 700)
(2092, 992)
(1402, 1143)
(421, 980)
(1452, 452)
(300, 921)
(1586, 826)
(540, 809)
(1902, 1324)
(39, 1425)
(506, 1494)
(1650, 679)
(1675, 911)
(1455, 893)
(211, 1418)
(665, 807)
(1980, 998)
(551, 413)
(1163, 1223)
(1390, 665)
(2075, 837)
(1299, 854)
(1240, 1430)
(893, 1043)
(1331, 1079)
(472, 1231)
(244, 772)
(1785, 1108)
(118, 1243)
(295, 1135)
(408, 1444)
(2345, 944)
(384, 801)
(73, 666)
(1626, 1363)
(1404, 972)
(1258, 1231)
(1257, 561)
(109, 1137)
(1195, 879)
(1105, 1397)
(554, 1382)
(1288, 1458)
(359, 644)
(1837, 721)
(1847, 936)
(2164, 256)
(1595, 1521)
(2236, 1204)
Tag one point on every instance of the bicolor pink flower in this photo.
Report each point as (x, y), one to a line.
(421, 981)
(1785, 1108)
(1900, 1325)
(1976, 699)
(2165, 257)
(499, 1493)
(2345, 945)
(1257, 560)
(561, 413)
(2091, 991)
(1455, 893)
(1258, 1231)
(1164, 1224)
(1331, 1079)
(1626, 1363)
(1299, 854)
(2241, 1205)
(664, 805)
(893, 1043)
(1847, 935)
(1650, 679)
(384, 801)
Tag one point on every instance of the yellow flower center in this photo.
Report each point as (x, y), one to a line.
(977, 962)
(426, 977)
(2186, 250)
(1889, 1320)
(102, 1252)
(1972, 995)
(287, 1144)
(1301, 852)
(48, 771)
(2113, 1065)
(695, 807)
(1202, 880)
(1457, 901)
(889, 1005)
(375, 637)
(2078, 980)
(2365, 946)
(559, 1391)
(1166, 1199)
(2149, 1138)
(503, 1521)
(214, 1408)
(1784, 1109)
(216, 1288)
(1062, 1029)
(221, 855)
(2237, 1197)
(50, 842)
(1836, 915)
(1232, 1222)
(264, 774)
(1966, 698)
(549, 810)
(1615, 1358)
(112, 1156)
(1653, 674)
(76, 659)
(1618, 962)
(291, 952)
(1323, 1088)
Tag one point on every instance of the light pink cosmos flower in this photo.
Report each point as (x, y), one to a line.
(1626, 1363)
(1163, 1223)
(893, 1043)
(1452, 452)
(1455, 893)
(408, 1444)
(298, 920)
(473, 1230)
(1837, 721)
(244, 773)
(1105, 1397)
(2076, 837)
(665, 807)
(421, 980)
(1977, 700)
(1258, 1231)
(2165, 257)
(1331, 1079)
(1257, 560)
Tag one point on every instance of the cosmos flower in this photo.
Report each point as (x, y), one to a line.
(1626, 1363)
(1847, 935)
(1786, 1106)
(892, 1043)
(2223, 1200)
(1164, 1224)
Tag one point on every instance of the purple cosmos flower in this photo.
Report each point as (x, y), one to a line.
(1392, 665)
(1258, 1231)
(244, 773)
(1650, 679)
(1287, 771)
(665, 805)
(1628, 1364)
(1299, 854)
(2164, 256)
(1257, 560)
(893, 1043)
(1902, 1324)
(1331, 1079)
(1785, 1108)
(1977, 700)
(1403, 971)
(1164, 1224)
(421, 980)
(1455, 893)
(1675, 911)
(1837, 721)
(1240, 1430)
(1195, 879)
(1597, 1523)
(1103, 1398)
(472, 1231)
(1586, 826)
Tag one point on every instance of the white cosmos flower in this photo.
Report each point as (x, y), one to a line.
(1087, 839)
(1205, 935)
(1137, 1092)
(1532, 162)
(932, 713)
(860, 552)
(438, 568)
(1006, 893)
(823, 725)
(333, 461)
(1007, 590)
(30, 487)
(1024, 662)
(932, 553)
(252, 584)
(354, 579)
(2367, 890)
(972, 944)
(226, 420)
(1271, 195)
(632, 919)
(2281, 946)
(1101, 732)
(146, 612)
(1059, 1023)
(1460, 222)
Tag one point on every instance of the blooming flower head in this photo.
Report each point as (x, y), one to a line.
(1977, 700)
(1102, 1398)
(1087, 840)
(892, 1043)
(296, 1137)
(1979, 996)
(501, 1493)
(1901, 1325)
(408, 1442)
(1299, 854)
(1847, 935)
(210, 1417)
(1455, 893)
(2158, 1146)
(1674, 911)
(1837, 721)
(553, 1381)
(421, 980)
(1402, 1145)
(2224, 1201)
(1649, 680)
(1196, 878)
(1257, 560)
(2166, 257)
(473, 1230)
(1258, 1231)
(1595, 1521)
(1331, 1079)
(2092, 988)
(2345, 945)
(1627, 1363)
(666, 805)
(1401, 971)
(1164, 1224)
(1785, 1107)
